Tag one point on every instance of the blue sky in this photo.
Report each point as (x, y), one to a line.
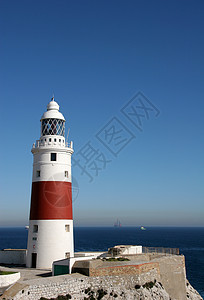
(96, 56)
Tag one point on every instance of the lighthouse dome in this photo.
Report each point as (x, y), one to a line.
(53, 111)
(53, 105)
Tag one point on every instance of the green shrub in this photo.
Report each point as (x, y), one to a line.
(149, 284)
(87, 290)
(101, 293)
(137, 286)
(61, 297)
(123, 259)
(117, 259)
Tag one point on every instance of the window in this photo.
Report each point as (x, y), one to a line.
(37, 173)
(50, 140)
(34, 239)
(55, 140)
(59, 140)
(53, 156)
(35, 228)
(67, 228)
(66, 174)
(45, 140)
(67, 254)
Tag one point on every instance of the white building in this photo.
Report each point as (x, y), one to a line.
(50, 234)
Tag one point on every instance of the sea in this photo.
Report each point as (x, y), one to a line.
(190, 242)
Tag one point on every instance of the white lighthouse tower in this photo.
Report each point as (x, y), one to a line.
(50, 234)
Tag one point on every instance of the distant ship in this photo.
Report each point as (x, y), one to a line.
(142, 228)
(117, 224)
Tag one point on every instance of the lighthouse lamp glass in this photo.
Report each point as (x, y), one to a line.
(52, 127)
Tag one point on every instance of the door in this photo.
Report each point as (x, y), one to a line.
(61, 270)
(34, 260)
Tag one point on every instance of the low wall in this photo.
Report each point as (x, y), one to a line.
(124, 270)
(6, 280)
(13, 256)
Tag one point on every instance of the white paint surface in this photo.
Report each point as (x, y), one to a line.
(133, 250)
(52, 170)
(6, 280)
(52, 242)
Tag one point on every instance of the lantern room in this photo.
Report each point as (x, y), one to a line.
(52, 121)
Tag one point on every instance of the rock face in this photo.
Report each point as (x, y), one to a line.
(58, 290)
(191, 293)
(157, 292)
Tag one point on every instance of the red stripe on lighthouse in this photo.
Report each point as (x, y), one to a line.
(51, 200)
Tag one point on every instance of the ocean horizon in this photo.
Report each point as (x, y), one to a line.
(189, 240)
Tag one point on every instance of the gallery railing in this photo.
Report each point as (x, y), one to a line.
(174, 251)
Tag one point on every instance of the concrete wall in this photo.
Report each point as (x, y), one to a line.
(13, 256)
(6, 280)
(173, 275)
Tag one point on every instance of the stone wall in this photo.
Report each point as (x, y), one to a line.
(124, 270)
(75, 285)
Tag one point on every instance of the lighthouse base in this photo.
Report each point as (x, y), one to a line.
(49, 240)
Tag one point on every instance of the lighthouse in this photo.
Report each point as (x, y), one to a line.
(50, 235)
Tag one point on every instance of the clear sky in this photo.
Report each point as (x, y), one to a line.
(96, 56)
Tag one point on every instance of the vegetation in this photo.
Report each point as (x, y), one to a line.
(6, 273)
(95, 295)
(101, 293)
(117, 259)
(137, 286)
(149, 284)
(87, 290)
(60, 297)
